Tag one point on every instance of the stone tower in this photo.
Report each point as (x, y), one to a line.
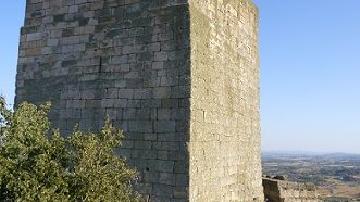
(181, 77)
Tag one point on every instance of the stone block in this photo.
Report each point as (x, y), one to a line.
(175, 75)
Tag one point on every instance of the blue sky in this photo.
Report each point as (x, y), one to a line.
(12, 17)
(310, 96)
(310, 63)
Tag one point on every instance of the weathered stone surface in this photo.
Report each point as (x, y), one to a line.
(284, 191)
(181, 77)
(224, 122)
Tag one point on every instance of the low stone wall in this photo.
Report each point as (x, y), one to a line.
(284, 191)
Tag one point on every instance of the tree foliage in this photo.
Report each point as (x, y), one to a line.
(5, 114)
(5, 118)
(38, 164)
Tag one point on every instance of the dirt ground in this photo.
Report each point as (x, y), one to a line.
(342, 191)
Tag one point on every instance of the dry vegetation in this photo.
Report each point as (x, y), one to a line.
(337, 176)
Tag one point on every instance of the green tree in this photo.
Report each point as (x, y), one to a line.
(5, 114)
(38, 164)
(5, 117)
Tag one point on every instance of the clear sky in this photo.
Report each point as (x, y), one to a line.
(12, 18)
(310, 61)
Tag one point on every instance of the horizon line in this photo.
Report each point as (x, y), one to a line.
(309, 152)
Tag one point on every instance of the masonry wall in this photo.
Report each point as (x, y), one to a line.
(179, 76)
(224, 126)
(122, 58)
(285, 191)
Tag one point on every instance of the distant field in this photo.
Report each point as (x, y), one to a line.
(337, 176)
(343, 191)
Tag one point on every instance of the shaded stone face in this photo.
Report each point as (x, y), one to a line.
(180, 77)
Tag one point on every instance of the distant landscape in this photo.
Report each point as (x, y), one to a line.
(337, 175)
